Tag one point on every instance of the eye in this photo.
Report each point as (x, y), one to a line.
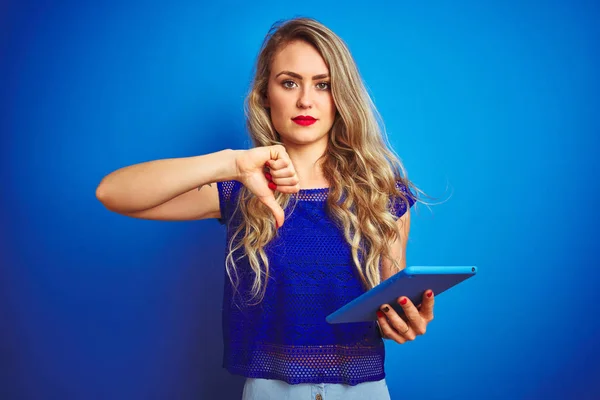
(288, 84)
(323, 85)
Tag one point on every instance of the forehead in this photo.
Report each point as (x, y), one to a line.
(299, 57)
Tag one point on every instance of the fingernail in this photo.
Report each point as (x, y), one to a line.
(380, 314)
(386, 309)
(429, 294)
(272, 186)
(268, 176)
(268, 165)
(404, 301)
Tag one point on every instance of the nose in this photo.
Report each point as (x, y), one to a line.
(305, 98)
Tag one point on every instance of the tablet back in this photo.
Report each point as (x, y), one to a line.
(411, 282)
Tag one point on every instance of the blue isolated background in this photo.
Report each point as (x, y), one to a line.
(493, 106)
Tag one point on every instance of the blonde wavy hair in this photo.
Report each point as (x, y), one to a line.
(360, 166)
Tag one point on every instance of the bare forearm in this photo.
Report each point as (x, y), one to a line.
(142, 186)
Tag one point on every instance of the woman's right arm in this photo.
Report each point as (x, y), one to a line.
(169, 189)
(179, 189)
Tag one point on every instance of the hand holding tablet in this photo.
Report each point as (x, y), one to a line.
(403, 304)
(406, 327)
(411, 282)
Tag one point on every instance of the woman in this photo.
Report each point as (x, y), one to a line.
(316, 213)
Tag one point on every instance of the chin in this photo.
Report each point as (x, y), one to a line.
(302, 141)
(297, 134)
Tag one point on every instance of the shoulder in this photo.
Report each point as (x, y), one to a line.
(403, 198)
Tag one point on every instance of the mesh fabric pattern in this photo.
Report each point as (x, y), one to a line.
(286, 336)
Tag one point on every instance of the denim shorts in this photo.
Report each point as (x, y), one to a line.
(269, 389)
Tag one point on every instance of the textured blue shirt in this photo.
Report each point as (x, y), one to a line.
(286, 336)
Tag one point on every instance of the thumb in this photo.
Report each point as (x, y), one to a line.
(276, 209)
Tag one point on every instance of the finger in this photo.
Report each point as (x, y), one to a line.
(398, 324)
(275, 208)
(426, 309)
(288, 189)
(276, 152)
(412, 315)
(292, 181)
(286, 172)
(280, 164)
(387, 331)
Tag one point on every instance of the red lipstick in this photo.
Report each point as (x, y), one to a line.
(304, 120)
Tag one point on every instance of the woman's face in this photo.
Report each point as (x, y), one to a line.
(299, 95)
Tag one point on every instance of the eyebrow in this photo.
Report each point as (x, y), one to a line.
(298, 76)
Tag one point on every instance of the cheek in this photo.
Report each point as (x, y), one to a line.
(278, 106)
(330, 105)
(333, 108)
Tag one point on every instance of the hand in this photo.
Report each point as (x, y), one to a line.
(413, 323)
(266, 169)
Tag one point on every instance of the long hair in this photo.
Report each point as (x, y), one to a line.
(360, 166)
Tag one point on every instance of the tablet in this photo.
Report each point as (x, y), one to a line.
(411, 282)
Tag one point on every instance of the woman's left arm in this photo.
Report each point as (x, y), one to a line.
(414, 322)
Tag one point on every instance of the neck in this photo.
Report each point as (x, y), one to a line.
(308, 165)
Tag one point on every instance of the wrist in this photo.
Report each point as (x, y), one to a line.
(233, 157)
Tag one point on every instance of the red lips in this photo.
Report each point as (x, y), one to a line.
(304, 120)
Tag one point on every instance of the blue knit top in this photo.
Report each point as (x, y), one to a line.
(312, 274)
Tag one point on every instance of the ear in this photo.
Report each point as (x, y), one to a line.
(266, 102)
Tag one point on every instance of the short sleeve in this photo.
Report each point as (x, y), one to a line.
(227, 196)
(398, 204)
